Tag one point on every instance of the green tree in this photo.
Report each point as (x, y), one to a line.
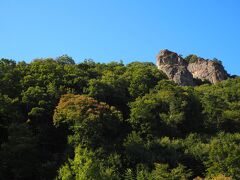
(220, 104)
(191, 58)
(9, 112)
(9, 78)
(112, 89)
(167, 110)
(142, 77)
(86, 165)
(224, 156)
(19, 155)
(162, 172)
(65, 59)
(93, 123)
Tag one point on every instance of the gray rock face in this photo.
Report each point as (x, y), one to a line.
(175, 67)
(183, 73)
(208, 70)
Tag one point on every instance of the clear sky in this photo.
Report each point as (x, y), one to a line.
(128, 30)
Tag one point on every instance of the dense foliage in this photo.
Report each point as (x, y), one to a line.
(61, 120)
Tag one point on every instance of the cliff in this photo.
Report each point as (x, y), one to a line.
(183, 72)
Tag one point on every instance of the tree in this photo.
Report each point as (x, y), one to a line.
(220, 104)
(162, 172)
(86, 165)
(215, 60)
(9, 112)
(65, 59)
(19, 154)
(94, 124)
(191, 58)
(112, 89)
(75, 79)
(167, 110)
(224, 156)
(9, 78)
(142, 77)
(114, 121)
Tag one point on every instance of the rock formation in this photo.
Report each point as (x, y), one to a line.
(207, 70)
(184, 73)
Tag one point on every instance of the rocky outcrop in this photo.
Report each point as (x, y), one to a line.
(211, 71)
(184, 73)
(175, 67)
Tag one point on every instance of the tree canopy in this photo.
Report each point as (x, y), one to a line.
(65, 120)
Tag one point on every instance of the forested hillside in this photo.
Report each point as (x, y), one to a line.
(101, 121)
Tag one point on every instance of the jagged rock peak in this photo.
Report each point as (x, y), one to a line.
(175, 67)
(209, 70)
(184, 73)
(168, 57)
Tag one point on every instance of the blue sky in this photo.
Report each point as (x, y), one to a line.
(128, 30)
